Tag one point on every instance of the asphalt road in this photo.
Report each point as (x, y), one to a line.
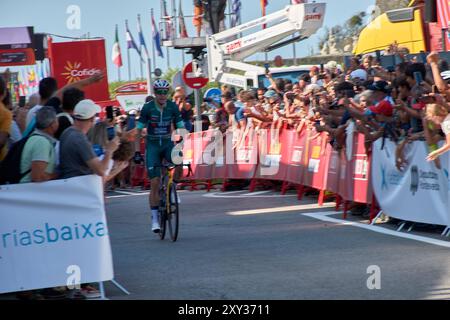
(238, 245)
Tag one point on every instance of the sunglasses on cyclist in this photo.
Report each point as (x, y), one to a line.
(161, 91)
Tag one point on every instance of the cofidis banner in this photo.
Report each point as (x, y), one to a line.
(419, 193)
(77, 60)
(53, 234)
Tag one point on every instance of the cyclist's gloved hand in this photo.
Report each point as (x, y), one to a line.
(138, 159)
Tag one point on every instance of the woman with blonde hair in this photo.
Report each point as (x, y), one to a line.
(439, 115)
(98, 136)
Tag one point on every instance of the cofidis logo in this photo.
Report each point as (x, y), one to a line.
(75, 72)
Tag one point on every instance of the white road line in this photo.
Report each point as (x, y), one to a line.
(128, 195)
(257, 193)
(246, 195)
(127, 192)
(281, 209)
(324, 216)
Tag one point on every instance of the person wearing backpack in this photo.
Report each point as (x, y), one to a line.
(38, 157)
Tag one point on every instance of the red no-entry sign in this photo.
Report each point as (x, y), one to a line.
(191, 80)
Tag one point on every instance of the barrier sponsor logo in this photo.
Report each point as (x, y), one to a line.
(48, 234)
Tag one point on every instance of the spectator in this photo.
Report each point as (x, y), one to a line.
(5, 120)
(39, 156)
(47, 87)
(77, 155)
(439, 115)
(71, 97)
(98, 137)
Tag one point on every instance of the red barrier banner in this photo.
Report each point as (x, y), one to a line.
(188, 154)
(77, 60)
(345, 189)
(273, 152)
(296, 156)
(204, 157)
(332, 169)
(242, 154)
(315, 173)
(362, 191)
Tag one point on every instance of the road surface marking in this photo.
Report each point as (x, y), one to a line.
(324, 216)
(281, 209)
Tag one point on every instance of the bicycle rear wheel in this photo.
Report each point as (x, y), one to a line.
(173, 213)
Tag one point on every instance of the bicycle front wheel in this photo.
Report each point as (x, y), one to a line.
(162, 215)
(173, 213)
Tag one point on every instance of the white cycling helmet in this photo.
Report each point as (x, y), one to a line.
(161, 84)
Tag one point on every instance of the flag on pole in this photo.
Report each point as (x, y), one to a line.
(156, 38)
(182, 25)
(116, 54)
(264, 4)
(141, 38)
(235, 12)
(131, 44)
(22, 88)
(168, 24)
(298, 1)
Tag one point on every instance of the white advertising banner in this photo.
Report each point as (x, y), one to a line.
(131, 101)
(53, 234)
(420, 192)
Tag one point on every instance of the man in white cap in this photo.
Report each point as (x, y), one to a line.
(77, 156)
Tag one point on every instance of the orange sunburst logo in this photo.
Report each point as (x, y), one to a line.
(72, 75)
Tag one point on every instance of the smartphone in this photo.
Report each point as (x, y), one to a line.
(378, 53)
(22, 101)
(109, 113)
(321, 68)
(418, 77)
(131, 122)
(266, 65)
(111, 133)
(423, 57)
(434, 89)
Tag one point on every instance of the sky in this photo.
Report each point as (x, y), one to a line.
(99, 17)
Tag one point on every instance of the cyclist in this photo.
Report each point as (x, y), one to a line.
(158, 117)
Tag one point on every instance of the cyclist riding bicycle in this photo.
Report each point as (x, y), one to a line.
(160, 117)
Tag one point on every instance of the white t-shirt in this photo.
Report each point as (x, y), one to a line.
(445, 125)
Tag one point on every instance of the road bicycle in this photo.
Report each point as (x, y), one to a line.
(169, 212)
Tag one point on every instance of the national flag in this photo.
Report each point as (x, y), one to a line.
(443, 9)
(156, 38)
(235, 12)
(141, 38)
(168, 24)
(116, 53)
(131, 44)
(22, 89)
(41, 70)
(182, 25)
(264, 4)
